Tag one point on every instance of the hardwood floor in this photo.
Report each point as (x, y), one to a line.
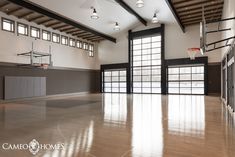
(119, 125)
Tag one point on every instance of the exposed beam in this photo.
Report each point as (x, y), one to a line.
(170, 5)
(75, 34)
(53, 24)
(45, 21)
(199, 4)
(200, 18)
(14, 11)
(25, 15)
(198, 14)
(130, 10)
(4, 5)
(39, 9)
(209, 9)
(74, 31)
(87, 36)
(59, 27)
(36, 18)
(200, 8)
(67, 29)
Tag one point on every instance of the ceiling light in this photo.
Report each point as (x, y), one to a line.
(140, 3)
(116, 27)
(155, 19)
(94, 14)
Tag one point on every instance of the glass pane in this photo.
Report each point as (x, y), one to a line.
(157, 44)
(156, 84)
(173, 84)
(107, 73)
(107, 85)
(173, 90)
(173, 70)
(122, 85)
(146, 51)
(185, 84)
(146, 57)
(198, 76)
(146, 90)
(137, 58)
(107, 89)
(146, 40)
(136, 78)
(156, 62)
(185, 70)
(123, 78)
(146, 46)
(173, 77)
(198, 84)
(146, 84)
(199, 69)
(156, 38)
(198, 91)
(137, 84)
(185, 77)
(115, 78)
(156, 71)
(156, 56)
(137, 52)
(137, 90)
(185, 90)
(156, 78)
(136, 41)
(146, 78)
(156, 50)
(156, 90)
(137, 47)
(123, 90)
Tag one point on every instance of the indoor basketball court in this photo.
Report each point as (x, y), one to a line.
(117, 78)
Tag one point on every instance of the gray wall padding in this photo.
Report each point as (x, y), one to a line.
(23, 87)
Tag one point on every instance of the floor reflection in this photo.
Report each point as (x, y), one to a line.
(147, 133)
(115, 109)
(186, 115)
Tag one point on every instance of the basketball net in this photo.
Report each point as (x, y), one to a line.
(192, 52)
(44, 66)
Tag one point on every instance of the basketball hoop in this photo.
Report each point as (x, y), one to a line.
(192, 52)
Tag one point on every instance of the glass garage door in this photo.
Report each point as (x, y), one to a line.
(114, 81)
(186, 80)
(146, 64)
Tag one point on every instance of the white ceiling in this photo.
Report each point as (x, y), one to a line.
(109, 12)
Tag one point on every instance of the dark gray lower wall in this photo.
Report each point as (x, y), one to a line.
(58, 81)
(214, 79)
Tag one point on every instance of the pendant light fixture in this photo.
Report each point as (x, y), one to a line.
(94, 14)
(116, 27)
(155, 19)
(140, 3)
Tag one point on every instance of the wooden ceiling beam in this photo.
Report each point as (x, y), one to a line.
(14, 11)
(53, 24)
(73, 31)
(200, 11)
(4, 5)
(199, 8)
(200, 3)
(36, 18)
(210, 11)
(68, 29)
(25, 15)
(59, 27)
(87, 36)
(198, 15)
(200, 18)
(45, 21)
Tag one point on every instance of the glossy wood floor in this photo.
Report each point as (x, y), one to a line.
(119, 125)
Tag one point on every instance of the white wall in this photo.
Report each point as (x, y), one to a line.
(176, 44)
(62, 56)
(228, 12)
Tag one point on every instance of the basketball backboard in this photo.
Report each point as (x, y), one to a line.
(203, 37)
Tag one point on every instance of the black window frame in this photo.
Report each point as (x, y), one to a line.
(11, 22)
(66, 39)
(48, 32)
(187, 62)
(114, 67)
(80, 43)
(26, 26)
(39, 32)
(57, 35)
(85, 46)
(74, 42)
(145, 33)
